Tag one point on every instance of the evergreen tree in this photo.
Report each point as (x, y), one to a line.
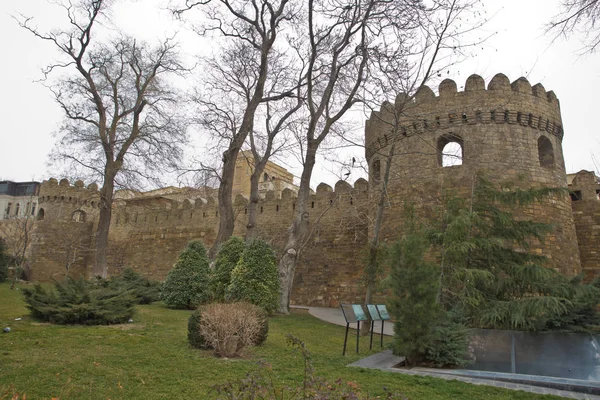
(487, 269)
(415, 286)
(188, 283)
(226, 260)
(255, 279)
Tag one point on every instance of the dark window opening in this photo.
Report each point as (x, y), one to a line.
(330, 202)
(245, 211)
(530, 120)
(261, 209)
(293, 206)
(464, 118)
(545, 152)
(506, 116)
(493, 116)
(265, 177)
(519, 117)
(41, 214)
(312, 204)
(575, 195)
(277, 207)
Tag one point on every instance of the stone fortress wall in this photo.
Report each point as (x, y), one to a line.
(509, 130)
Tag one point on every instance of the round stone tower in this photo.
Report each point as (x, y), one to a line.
(508, 131)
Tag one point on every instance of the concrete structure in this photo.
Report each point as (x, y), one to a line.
(510, 131)
(18, 199)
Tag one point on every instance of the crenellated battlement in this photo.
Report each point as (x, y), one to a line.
(516, 103)
(53, 191)
(159, 211)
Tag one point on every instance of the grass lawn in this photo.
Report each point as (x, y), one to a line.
(151, 359)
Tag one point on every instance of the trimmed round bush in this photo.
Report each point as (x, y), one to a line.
(187, 285)
(226, 328)
(255, 279)
(226, 260)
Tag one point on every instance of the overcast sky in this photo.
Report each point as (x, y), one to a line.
(520, 48)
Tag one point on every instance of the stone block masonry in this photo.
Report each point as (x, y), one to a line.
(509, 130)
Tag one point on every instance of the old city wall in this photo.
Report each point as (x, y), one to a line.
(148, 235)
(508, 131)
(586, 214)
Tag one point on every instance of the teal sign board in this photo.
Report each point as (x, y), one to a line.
(359, 312)
(383, 312)
(373, 311)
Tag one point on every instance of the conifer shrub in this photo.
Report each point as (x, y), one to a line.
(188, 283)
(80, 302)
(255, 279)
(198, 341)
(145, 290)
(226, 260)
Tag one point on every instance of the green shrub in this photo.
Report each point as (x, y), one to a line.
(145, 290)
(197, 340)
(255, 279)
(226, 260)
(4, 261)
(80, 302)
(187, 285)
(449, 347)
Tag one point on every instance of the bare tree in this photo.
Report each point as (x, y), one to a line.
(355, 51)
(578, 16)
(17, 233)
(250, 29)
(120, 123)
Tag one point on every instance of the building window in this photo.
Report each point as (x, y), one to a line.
(7, 212)
(575, 195)
(17, 208)
(33, 210)
(450, 150)
(545, 152)
(79, 216)
(265, 177)
(41, 214)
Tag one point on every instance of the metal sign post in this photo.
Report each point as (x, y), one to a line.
(385, 316)
(374, 317)
(353, 313)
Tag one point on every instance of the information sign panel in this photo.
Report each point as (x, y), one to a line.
(359, 312)
(373, 312)
(348, 311)
(383, 312)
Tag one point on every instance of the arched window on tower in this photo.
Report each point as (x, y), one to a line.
(41, 214)
(545, 152)
(450, 150)
(78, 216)
(265, 177)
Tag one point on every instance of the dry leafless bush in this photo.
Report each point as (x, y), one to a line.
(228, 328)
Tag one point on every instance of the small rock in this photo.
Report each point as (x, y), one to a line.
(18, 319)
(6, 330)
(130, 320)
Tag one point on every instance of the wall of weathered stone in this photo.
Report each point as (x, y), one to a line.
(586, 213)
(499, 129)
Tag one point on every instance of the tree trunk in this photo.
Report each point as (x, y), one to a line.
(226, 218)
(296, 234)
(373, 262)
(106, 199)
(251, 232)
